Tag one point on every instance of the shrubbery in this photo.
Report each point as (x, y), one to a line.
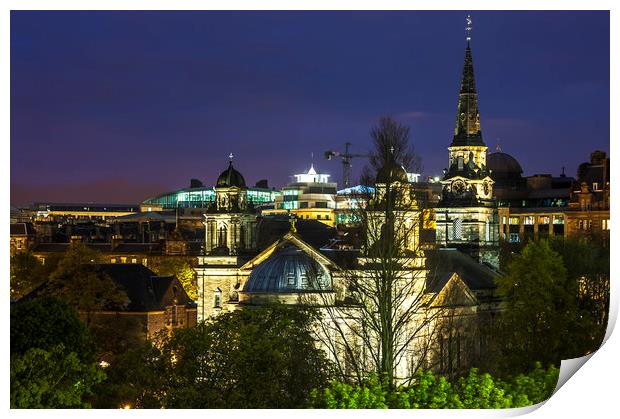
(428, 391)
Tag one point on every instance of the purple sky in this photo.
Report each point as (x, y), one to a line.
(120, 106)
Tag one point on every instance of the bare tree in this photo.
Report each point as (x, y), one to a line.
(379, 320)
(390, 141)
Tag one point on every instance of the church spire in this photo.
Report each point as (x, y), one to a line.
(467, 130)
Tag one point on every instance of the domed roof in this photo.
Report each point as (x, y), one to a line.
(287, 270)
(503, 163)
(392, 172)
(230, 177)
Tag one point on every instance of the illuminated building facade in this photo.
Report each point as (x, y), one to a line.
(545, 206)
(203, 197)
(311, 197)
(466, 216)
(54, 212)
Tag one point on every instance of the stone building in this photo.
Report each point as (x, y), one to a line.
(23, 237)
(466, 215)
(542, 205)
(298, 263)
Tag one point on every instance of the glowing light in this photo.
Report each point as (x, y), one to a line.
(104, 364)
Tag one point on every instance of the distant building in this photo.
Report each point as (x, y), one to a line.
(23, 237)
(200, 196)
(540, 206)
(156, 303)
(310, 197)
(63, 212)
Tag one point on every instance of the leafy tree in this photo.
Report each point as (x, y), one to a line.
(52, 356)
(183, 270)
(27, 272)
(429, 391)
(135, 378)
(540, 309)
(53, 378)
(77, 281)
(534, 387)
(45, 323)
(587, 268)
(251, 358)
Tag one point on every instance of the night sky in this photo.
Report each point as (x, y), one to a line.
(121, 106)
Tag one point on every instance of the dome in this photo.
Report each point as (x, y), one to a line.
(230, 177)
(392, 172)
(502, 163)
(288, 270)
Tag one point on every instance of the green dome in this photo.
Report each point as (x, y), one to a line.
(230, 177)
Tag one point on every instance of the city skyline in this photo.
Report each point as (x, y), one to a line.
(162, 97)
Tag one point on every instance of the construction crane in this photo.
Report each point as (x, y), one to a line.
(346, 162)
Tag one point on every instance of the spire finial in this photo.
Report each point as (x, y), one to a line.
(498, 148)
(468, 28)
(230, 157)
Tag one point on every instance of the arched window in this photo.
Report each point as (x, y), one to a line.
(217, 298)
(222, 234)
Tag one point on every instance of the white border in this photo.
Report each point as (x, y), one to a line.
(591, 393)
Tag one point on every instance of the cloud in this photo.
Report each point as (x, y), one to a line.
(415, 115)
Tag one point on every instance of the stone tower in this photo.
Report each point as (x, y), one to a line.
(467, 215)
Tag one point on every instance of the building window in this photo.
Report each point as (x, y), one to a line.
(558, 219)
(113, 260)
(595, 186)
(217, 298)
(513, 221)
(304, 279)
(134, 260)
(514, 238)
(605, 224)
(221, 236)
(144, 262)
(123, 259)
(457, 229)
(528, 220)
(585, 224)
(318, 216)
(291, 279)
(543, 219)
(488, 231)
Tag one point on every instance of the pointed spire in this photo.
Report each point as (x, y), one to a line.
(467, 129)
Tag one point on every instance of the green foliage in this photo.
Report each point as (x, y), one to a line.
(251, 358)
(53, 378)
(182, 269)
(428, 391)
(541, 306)
(372, 395)
(533, 388)
(76, 281)
(27, 272)
(52, 356)
(587, 266)
(45, 323)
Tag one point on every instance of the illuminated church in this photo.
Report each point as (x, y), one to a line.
(252, 259)
(467, 216)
